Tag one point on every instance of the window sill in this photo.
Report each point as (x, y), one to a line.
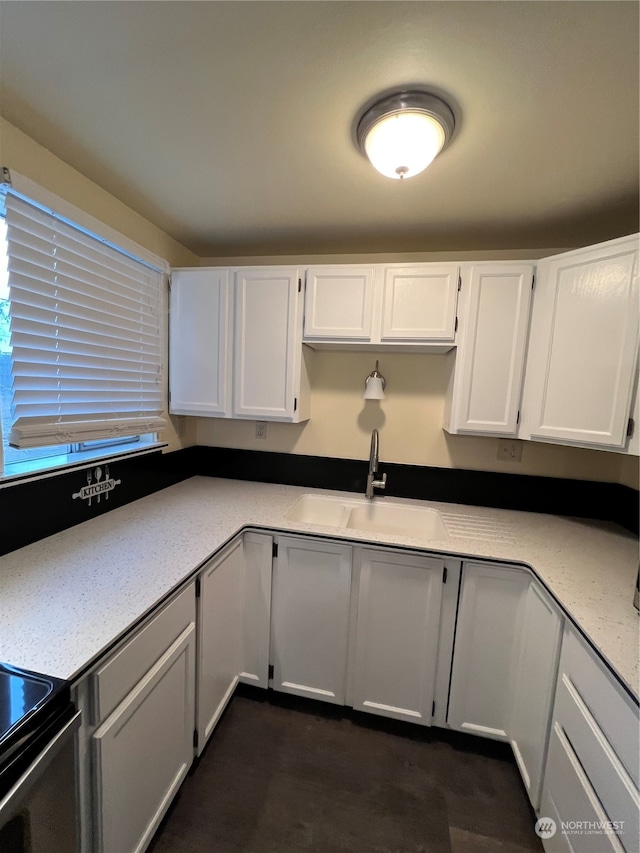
(38, 469)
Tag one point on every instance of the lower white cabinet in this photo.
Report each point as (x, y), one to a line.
(310, 623)
(533, 686)
(255, 602)
(219, 637)
(142, 751)
(590, 785)
(489, 613)
(396, 633)
(233, 626)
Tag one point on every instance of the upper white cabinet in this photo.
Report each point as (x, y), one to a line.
(396, 630)
(401, 306)
(236, 344)
(582, 356)
(199, 342)
(419, 303)
(339, 303)
(493, 310)
(268, 372)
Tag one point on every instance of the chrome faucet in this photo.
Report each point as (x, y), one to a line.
(372, 483)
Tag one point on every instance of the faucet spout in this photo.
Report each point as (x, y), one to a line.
(372, 483)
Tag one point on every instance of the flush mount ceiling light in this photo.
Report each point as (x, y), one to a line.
(374, 385)
(402, 133)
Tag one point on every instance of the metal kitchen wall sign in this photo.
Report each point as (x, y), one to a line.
(97, 486)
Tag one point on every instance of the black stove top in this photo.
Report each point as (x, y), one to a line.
(32, 708)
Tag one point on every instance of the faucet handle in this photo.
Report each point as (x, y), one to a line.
(380, 484)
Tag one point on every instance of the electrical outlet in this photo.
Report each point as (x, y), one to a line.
(509, 450)
(261, 429)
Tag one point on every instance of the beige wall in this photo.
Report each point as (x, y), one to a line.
(384, 258)
(409, 421)
(20, 153)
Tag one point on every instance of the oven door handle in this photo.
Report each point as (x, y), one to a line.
(39, 765)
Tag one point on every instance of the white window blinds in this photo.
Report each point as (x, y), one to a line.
(86, 334)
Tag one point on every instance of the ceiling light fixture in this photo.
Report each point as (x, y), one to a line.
(374, 385)
(402, 133)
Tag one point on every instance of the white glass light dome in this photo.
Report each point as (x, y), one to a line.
(403, 133)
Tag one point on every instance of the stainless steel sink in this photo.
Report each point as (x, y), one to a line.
(372, 516)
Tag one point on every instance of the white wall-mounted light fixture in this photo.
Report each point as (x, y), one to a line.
(403, 133)
(374, 385)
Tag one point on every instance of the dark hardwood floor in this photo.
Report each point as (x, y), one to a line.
(285, 775)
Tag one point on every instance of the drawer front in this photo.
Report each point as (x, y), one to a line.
(613, 785)
(613, 710)
(124, 669)
(570, 800)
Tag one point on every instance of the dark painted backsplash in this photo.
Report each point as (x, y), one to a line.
(38, 508)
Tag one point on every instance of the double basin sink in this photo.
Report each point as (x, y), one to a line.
(374, 516)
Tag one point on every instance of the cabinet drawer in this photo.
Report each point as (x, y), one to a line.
(569, 799)
(613, 785)
(124, 669)
(613, 710)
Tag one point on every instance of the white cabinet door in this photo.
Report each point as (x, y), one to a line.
(396, 636)
(255, 603)
(419, 303)
(199, 342)
(219, 637)
(484, 395)
(143, 750)
(310, 607)
(583, 348)
(482, 674)
(339, 303)
(534, 686)
(267, 344)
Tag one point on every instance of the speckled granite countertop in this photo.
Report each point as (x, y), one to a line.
(65, 599)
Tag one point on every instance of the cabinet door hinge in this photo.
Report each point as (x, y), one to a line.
(455, 328)
(518, 417)
(299, 285)
(433, 709)
(295, 404)
(195, 738)
(444, 574)
(274, 549)
(270, 671)
(198, 587)
(631, 427)
(459, 282)
(533, 281)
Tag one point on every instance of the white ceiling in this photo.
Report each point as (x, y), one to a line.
(229, 124)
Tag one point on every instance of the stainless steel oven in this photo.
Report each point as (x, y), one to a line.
(37, 764)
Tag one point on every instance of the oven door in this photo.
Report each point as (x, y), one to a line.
(38, 814)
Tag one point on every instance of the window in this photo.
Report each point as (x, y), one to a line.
(81, 343)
